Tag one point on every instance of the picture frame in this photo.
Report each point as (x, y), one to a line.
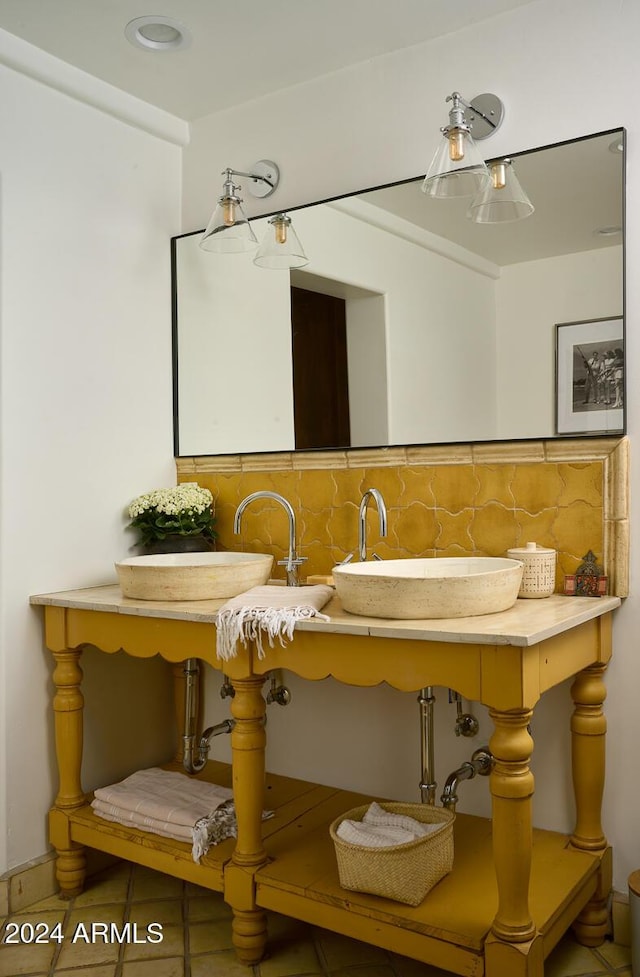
(590, 376)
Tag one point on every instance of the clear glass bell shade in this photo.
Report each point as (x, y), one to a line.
(228, 231)
(457, 168)
(281, 247)
(504, 200)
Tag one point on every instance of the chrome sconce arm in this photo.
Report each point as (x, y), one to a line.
(457, 168)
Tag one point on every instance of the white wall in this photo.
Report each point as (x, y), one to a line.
(234, 359)
(376, 123)
(234, 319)
(367, 370)
(530, 299)
(88, 204)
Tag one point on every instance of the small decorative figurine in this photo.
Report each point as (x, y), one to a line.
(588, 580)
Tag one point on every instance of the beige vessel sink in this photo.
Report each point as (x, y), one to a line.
(428, 588)
(192, 576)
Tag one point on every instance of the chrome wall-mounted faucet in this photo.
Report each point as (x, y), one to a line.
(370, 494)
(293, 561)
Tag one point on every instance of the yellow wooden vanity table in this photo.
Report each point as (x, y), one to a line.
(513, 891)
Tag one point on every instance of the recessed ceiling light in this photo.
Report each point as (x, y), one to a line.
(157, 33)
(616, 146)
(608, 231)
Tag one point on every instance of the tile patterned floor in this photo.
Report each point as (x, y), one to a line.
(196, 940)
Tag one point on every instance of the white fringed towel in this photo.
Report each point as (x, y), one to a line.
(380, 829)
(271, 611)
(165, 796)
(172, 805)
(110, 812)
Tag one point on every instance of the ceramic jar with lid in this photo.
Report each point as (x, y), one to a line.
(539, 574)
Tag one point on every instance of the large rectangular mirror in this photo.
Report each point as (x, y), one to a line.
(410, 324)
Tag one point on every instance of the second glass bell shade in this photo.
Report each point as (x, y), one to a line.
(504, 200)
(464, 176)
(229, 230)
(281, 247)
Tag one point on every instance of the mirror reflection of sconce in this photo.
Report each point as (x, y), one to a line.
(503, 200)
(229, 230)
(281, 247)
(459, 170)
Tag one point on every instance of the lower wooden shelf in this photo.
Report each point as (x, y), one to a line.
(300, 879)
(287, 797)
(450, 926)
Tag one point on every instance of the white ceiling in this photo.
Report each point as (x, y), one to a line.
(245, 49)
(240, 50)
(576, 189)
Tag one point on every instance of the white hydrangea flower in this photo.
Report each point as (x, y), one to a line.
(186, 498)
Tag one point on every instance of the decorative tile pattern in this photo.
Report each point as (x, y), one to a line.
(477, 500)
(197, 927)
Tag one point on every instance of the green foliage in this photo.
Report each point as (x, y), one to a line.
(186, 510)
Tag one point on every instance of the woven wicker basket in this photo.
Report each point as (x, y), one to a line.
(405, 872)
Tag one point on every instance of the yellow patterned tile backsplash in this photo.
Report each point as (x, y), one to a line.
(413, 529)
(386, 480)
(455, 487)
(581, 482)
(538, 527)
(495, 484)
(536, 487)
(454, 533)
(493, 529)
(438, 505)
(417, 486)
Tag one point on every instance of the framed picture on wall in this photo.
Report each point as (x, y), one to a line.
(590, 376)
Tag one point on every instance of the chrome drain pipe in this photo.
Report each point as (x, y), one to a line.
(481, 763)
(428, 785)
(195, 758)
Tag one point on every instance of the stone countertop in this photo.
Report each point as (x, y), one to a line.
(526, 623)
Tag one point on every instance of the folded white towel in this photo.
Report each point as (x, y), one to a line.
(373, 835)
(165, 796)
(378, 816)
(382, 829)
(273, 611)
(177, 832)
(172, 805)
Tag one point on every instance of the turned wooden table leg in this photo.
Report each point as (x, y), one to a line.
(68, 704)
(588, 740)
(248, 740)
(512, 789)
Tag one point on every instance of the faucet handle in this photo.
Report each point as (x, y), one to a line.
(296, 562)
(291, 565)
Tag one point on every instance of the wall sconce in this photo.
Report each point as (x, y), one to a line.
(503, 200)
(457, 168)
(281, 247)
(229, 230)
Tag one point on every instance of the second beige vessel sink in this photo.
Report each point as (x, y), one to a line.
(192, 576)
(428, 588)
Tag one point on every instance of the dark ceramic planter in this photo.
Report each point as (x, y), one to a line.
(179, 544)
